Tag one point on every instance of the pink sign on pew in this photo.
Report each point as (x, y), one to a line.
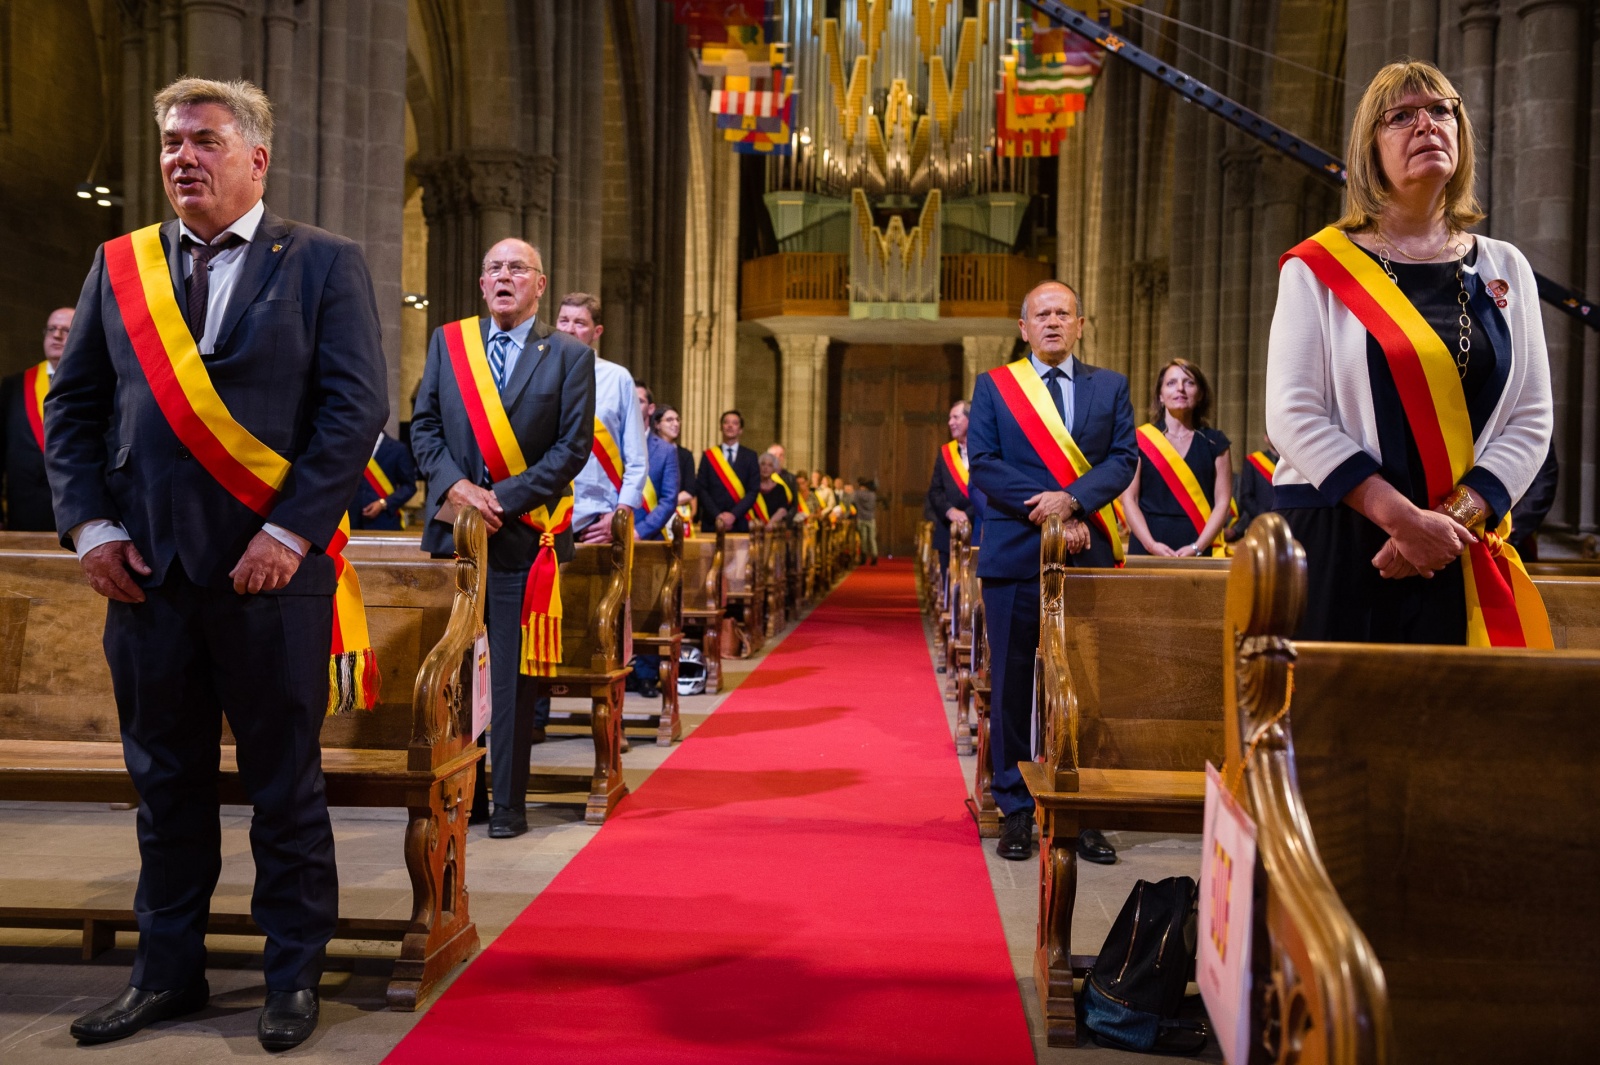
(1227, 882)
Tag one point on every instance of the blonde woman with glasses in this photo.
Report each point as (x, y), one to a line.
(1409, 389)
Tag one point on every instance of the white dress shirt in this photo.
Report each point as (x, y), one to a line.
(225, 267)
(617, 406)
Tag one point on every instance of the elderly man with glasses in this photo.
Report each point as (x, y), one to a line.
(513, 372)
(27, 492)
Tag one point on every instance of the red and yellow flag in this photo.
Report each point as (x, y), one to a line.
(376, 479)
(1264, 463)
(1028, 400)
(957, 465)
(608, 454)
(541, 598)
(724, 472)
(35, 386)
(250, 471)
(1180, 480)
(1503, 606)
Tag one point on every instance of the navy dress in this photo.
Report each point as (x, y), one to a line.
(1169, 523)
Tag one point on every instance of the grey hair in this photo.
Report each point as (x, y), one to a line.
(251, 110)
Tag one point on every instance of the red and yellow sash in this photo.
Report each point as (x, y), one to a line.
(651, 498)
(377, 480)
(35, 386)
(762, 510)
(1264, 463)
(608, 454)
(1503, 606)
(957, 465)
(1028, 400)
(541, 599)
(1180, 480)
(724, 471)
(250, 471)
(687, 514)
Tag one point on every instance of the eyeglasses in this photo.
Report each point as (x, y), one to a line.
(57, 330)
(1440, 113)
(515, 269)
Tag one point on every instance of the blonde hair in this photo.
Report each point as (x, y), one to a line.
(1366, 191)
(251, 110)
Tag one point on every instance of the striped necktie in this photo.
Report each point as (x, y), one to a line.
(497, 359)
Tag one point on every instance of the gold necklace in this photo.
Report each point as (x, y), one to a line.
(1463, 350)
(1385, 241)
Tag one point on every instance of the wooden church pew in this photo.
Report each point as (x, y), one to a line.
(656, 602)
(1426, 823)
(59, 737)
(594, 665)
(1132, 686)
(704, 603)
(744, 587)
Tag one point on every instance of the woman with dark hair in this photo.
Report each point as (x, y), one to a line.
(667, 423)
(1409, 389)
(1178, 501)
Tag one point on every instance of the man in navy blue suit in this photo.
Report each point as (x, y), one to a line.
(221, 602)
(1028, 419)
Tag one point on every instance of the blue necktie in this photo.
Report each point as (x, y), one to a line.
(497, 359)
(1052, 381)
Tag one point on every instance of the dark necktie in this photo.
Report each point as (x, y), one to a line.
(497, 358)
(1052, 381)
(200, 278)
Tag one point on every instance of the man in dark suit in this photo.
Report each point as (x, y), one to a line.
(725, 505)
(27, 492)
(219, 605)
(949, 500)
(546, 383)
(1020, 461)
(374, 506)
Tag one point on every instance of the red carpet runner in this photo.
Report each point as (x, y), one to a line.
(798, 883)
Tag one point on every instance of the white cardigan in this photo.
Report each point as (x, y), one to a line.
(1319, 397)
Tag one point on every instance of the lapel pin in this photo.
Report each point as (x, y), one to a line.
(277, 247)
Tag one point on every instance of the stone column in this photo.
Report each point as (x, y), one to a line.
(1479, 21)
(711, 276)
(1547, 183)
(802, 418)
(980, 354)
(471, 199)
(213, 37)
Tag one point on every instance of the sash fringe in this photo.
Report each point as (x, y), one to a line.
(353, 681)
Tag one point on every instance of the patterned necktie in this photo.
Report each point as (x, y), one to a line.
(1052, 381)
(199, 287)
(497, 359)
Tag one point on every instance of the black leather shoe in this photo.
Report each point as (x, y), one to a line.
(288, 1018)
(135, 1008)
(506, 823)
(1092, 847)
(1016, 837)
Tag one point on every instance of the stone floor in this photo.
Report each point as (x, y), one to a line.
(57, 853)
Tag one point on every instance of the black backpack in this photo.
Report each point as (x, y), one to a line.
(1135, 990)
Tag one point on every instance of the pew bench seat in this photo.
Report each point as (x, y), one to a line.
(60, 742)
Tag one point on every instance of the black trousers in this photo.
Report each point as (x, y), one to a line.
(181, 661)
(1011, 612)
(514, 707)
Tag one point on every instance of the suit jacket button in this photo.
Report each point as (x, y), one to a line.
(183, 452)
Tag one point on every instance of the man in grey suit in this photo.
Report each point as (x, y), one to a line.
(221, 597)
(546, 384)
